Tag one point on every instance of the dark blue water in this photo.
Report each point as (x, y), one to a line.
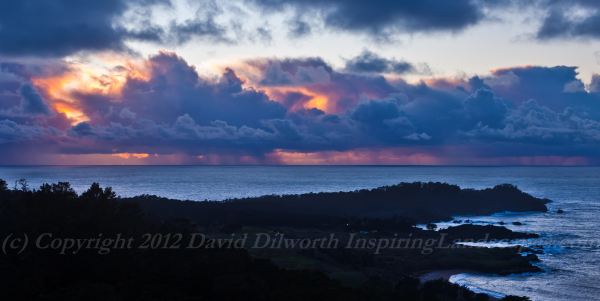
(571, 261)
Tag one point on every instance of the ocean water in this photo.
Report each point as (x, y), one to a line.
(571, 241)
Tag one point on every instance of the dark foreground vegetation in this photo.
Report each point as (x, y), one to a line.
(413, 202)
(45, 270)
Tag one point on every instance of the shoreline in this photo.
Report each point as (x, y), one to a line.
(439, 274)
(445, 275)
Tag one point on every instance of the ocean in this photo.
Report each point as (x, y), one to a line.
(571, 240)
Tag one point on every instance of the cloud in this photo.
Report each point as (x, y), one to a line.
(532, 123)
(558, 19)
(312, 82)
(186, 31)
(484, 109)
(18, 96)
(384, 17)
(571, 19)
(32, 102)
(298, 28)
(291, 72)
(595, 84)
(61, 27)
(12, 132)
(175, 88)
(370, 62)
(202, 25)
(555, 87)
(384, 123)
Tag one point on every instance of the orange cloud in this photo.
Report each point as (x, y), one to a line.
(131, 155)
(252, 75)
(106, 74)
(72, 113)
(313, 99)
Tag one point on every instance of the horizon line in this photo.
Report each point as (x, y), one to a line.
(297, 165)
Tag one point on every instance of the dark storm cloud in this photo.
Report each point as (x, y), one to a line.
(175, 110)
(384, 123)
(343, 89)
(541, 109)
(555, 87)
(12, 132)
(32, 102)
(175, 89)
(535, 124)
(524, 111)
(370, 62)
(60, 27)
(484, 109)
(381, 17)
(560, 21)
(18, 96)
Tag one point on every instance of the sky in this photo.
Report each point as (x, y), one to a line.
(465, 82)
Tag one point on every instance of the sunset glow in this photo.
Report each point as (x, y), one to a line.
(106, 76)
(313, 99)
(73, 114)
(131, 155)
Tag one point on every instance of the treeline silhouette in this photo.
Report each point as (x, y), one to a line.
(146, 274)
(398, 206)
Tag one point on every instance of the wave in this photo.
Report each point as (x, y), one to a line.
(462, 280)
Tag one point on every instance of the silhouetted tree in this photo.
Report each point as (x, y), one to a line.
(3, 186)
(60, 189)
(95, 192)
(22, 185)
